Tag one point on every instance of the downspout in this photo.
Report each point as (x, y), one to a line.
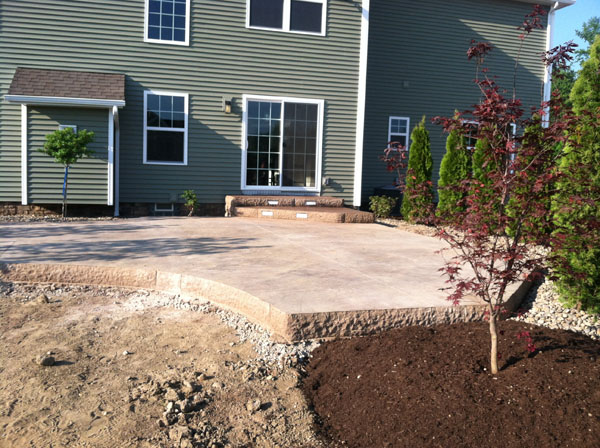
(117, 176)
(360, 107)
(548, 72)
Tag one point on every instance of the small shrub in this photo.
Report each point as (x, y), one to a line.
(417, 203)
(191, 201)
(453, 171)
(382, 206)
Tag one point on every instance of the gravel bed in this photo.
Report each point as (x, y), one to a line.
(419, 229)
(52, 218)
(268, 352)
(542, 307)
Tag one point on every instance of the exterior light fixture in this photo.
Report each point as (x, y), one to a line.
(227, 101)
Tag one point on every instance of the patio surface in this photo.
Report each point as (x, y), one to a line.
(296, 267)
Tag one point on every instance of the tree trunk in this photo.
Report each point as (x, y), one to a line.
(494, 345)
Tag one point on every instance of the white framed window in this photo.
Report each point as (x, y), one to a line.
(398, 132)
(167, 22)
(282, 143)
(292, 16)
(472, 128)
(65, 126)
(165, 128)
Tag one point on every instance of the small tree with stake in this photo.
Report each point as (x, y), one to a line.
(67, 147)
(503, 219)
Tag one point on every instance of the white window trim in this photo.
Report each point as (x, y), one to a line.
(287, 18)
(65, 126)
(155, 128)
(407, 134)
(282, 99)
(168, 42)
(475, 122)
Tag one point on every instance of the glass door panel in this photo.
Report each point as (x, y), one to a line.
(264, 143)
(299, 144)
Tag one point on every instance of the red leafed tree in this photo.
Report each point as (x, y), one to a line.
(499, 234)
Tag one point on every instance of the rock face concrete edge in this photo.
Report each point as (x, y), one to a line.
(285, 327)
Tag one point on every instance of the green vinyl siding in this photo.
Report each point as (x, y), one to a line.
(418, 66)
(88, 178)
(224, 58)
(10, 145)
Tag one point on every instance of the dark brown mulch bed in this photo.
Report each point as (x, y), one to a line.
(430, 387)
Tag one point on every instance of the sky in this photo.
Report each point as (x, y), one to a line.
(570, 19)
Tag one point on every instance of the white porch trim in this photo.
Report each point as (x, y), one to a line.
(111, 157)
(63, 101)
(360, 108)
(116, 161)
(24, 179)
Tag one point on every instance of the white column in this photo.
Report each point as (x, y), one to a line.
(360, 109)
(111, 156)
(117, 181)
(24, 154)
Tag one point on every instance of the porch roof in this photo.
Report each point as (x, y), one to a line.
(64, 87)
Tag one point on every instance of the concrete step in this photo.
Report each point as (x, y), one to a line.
(281, 201)
(310, 213)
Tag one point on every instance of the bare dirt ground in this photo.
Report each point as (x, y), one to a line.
(129, 374)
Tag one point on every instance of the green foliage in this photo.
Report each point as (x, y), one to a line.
(563, 81)
(534, 225)
(482, 163)
(382, 206)
(586, 91)
(191, 201)
(589, 31)
(453, 170)
(66, 146)
(576, 266)
(417, 201)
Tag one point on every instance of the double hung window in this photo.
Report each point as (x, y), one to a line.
(398, 132)
(165, 128)
(167, 21)
(299, 16)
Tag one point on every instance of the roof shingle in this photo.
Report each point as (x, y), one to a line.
(67, 84)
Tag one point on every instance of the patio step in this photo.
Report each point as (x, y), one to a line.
(282, 201)
(304, 213)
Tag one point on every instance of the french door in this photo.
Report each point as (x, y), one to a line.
(282, 143)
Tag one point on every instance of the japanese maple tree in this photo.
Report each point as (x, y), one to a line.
(499, 232)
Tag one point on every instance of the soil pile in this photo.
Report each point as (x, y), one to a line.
(430, 387)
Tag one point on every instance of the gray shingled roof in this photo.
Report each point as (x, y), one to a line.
(67, 84)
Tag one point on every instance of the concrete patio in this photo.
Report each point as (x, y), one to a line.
(330, 279)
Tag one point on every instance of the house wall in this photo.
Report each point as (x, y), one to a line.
(417, 67)
(88, 178)
(223, 59)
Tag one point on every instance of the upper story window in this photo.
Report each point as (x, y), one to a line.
(297, 16)
(398, 132)
(165, 128)
(167, 22)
